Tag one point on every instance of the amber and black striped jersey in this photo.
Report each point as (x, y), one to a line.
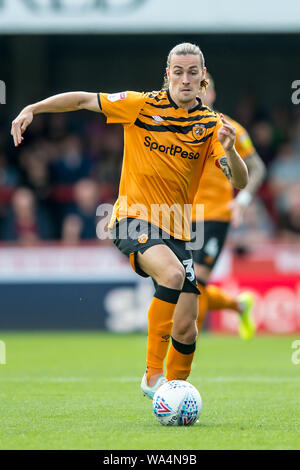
(165, 151)
(215, 191)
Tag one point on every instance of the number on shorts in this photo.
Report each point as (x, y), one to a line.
(190, 273)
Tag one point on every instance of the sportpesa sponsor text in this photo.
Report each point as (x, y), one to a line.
(171, 150)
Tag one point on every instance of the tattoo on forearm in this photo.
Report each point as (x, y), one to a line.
(225, 167)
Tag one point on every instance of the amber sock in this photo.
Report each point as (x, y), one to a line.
(217, 299)
(179, 360)
(160, 322)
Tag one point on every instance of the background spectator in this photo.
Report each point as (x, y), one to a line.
(71, 163)
(71, 230)
(86, 199)
(257, 227)
(290, 215)
(26, 222)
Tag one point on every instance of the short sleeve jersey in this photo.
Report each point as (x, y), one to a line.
(165, 151)
(215, 191)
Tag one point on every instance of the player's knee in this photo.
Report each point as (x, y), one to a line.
(187, 331)
(174, 276)
(190, 337)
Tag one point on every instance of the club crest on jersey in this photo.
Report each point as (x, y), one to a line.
(117, 96)
(198, 131)
(143, 238)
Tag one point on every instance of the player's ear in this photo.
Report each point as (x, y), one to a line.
(204, 73)
(168, 72)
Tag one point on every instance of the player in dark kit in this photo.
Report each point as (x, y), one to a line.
(168, 138)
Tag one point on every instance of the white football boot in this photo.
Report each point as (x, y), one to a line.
(149, 391)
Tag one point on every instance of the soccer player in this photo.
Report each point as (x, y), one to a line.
(168, 138)
(215, 192)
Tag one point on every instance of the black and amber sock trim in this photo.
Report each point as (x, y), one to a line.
(167, 294)
(183, 348)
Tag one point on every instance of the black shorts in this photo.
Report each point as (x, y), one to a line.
(134, 235)
(215, 233)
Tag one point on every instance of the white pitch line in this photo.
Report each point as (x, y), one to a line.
(217, 379)
(138, 379)
(45, 379)
(249, 379)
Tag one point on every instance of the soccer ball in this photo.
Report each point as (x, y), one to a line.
(177, 403)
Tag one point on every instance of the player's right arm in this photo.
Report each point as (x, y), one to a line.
(72, 101)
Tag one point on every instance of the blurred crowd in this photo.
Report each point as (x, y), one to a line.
(51, 186)
(69, 163)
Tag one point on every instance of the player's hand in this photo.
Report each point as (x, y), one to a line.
(237, 213)
(20, 124)
(226, 134)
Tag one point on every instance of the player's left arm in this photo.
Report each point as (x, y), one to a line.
(257, 173)
(232, 165)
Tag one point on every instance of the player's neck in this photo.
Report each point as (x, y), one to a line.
(187, 105)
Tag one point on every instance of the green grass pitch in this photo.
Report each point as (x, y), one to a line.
(82, 391)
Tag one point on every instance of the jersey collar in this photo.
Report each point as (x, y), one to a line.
(198, 106)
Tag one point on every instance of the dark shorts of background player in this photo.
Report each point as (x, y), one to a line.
(213, 229)
(131, 245)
